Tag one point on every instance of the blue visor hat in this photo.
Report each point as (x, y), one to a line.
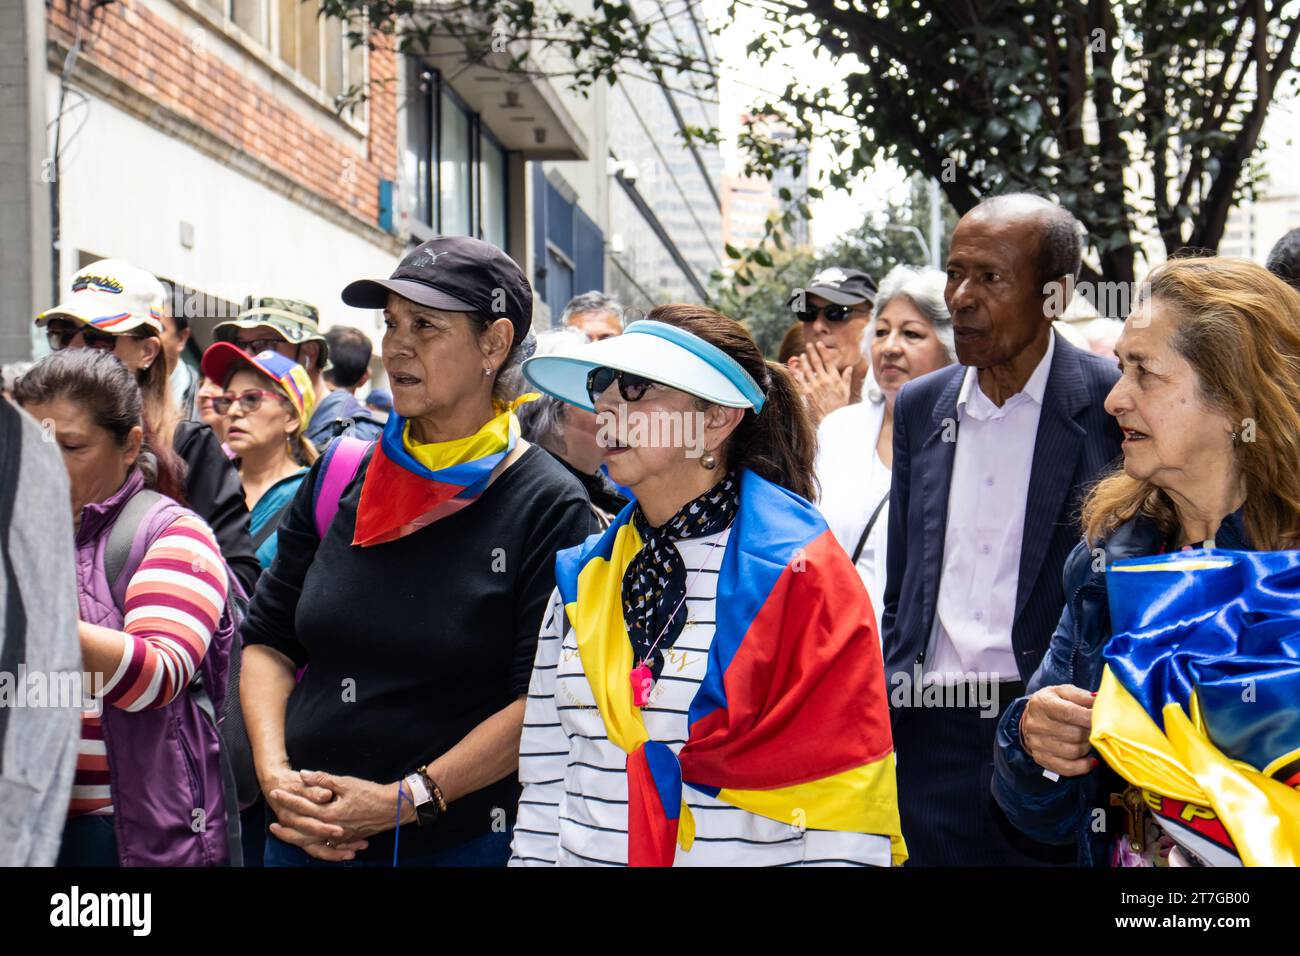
(655, 350)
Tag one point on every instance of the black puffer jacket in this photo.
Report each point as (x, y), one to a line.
(214, 492)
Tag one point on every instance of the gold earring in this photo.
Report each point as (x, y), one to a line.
(708, 460)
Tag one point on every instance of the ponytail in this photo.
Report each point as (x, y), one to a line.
(302, 451)
(163, 469)
(779, 443)
(160, 409)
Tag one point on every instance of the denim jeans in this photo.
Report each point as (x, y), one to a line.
(252, 830)
(88, 841)
(491, 849)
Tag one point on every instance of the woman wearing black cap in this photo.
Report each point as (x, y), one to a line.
(414, 608)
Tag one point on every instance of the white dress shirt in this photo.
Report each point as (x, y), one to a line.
(853, 482)
(986, 523)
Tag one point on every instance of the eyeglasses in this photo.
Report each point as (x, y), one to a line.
(258, 346)
(249, 401)
(631, 387)
(833, 313)
(61, 336)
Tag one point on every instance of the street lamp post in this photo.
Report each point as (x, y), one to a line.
(925, 246)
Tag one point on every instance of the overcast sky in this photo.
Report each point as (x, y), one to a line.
(743, 79)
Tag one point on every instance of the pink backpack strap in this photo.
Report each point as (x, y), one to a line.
(342, 459)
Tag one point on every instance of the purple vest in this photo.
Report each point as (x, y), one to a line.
(164, 765)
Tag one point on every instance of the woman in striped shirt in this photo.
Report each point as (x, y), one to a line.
(708, 687)
(145, 767)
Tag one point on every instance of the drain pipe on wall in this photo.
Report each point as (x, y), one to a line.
(69, 64)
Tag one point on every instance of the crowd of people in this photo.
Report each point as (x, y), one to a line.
(631, 593)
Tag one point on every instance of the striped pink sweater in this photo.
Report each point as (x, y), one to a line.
(173, 606)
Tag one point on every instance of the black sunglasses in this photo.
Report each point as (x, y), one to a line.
(258, 346)
(61, 336)
(833, 313)
(631, 387)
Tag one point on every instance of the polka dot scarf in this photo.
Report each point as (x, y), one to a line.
(655, 581)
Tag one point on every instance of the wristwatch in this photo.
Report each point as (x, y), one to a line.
(429, 803)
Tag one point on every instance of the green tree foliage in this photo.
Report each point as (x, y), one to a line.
(1140, 116)
(760, 297)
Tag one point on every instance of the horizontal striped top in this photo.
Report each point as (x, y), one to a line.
(174, 603)
(573, 810)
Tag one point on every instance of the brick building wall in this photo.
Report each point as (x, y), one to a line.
(143, 51)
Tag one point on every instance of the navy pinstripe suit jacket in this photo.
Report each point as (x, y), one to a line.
(1076, 442)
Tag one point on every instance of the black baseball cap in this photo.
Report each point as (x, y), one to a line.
(456, 274)
(841, 286)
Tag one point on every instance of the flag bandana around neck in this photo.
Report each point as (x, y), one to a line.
(1198, 701)
(409, 485)
(791, 720)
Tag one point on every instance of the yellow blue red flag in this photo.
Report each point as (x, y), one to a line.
(410, 485)
(1199, 704)
(790, 721)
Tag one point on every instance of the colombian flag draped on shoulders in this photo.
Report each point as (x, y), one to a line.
(791, 720)
(410, 485)
(1199, 703)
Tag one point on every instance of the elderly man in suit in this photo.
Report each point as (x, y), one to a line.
(991, 457)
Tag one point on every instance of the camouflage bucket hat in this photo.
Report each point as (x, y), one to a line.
(295, 320)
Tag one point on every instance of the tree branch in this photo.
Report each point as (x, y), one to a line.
(1214, 211)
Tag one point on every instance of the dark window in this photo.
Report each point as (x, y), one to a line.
(588, 253)
(421, 146)
(570, 248)
(494, 191)
(454, 167)
(559, 277)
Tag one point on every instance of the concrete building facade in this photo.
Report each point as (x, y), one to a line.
(1254, 226)
(210, 142)
(646, 208)
(220, 145)
(747, 204)
(200, 141)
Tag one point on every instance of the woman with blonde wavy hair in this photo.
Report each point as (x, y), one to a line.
(1209, 405)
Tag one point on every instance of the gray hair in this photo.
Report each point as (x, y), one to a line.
(542, 421)
(592, 302)
(924, 289)
(11, 372)
(1060, 240)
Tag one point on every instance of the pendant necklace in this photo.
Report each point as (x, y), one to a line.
(642, 677)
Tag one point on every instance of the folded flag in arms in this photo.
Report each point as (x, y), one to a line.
(1198, 704)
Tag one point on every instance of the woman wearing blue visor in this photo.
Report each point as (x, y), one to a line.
(708, 687)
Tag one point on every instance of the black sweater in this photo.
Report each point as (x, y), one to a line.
(213, 490)
(602, 492)
(413, 643)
